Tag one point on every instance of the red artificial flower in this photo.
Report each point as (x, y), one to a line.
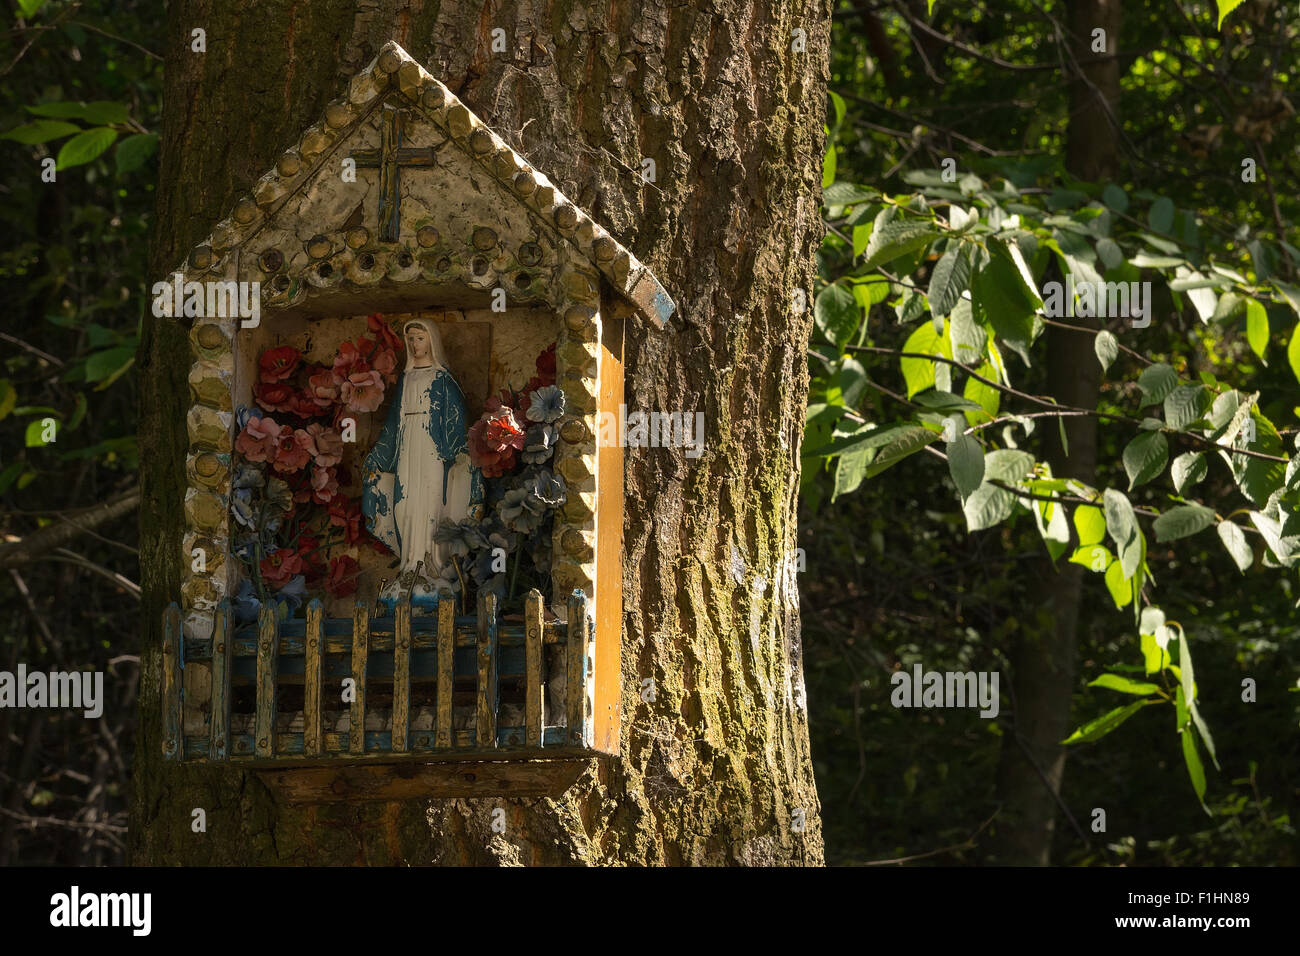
(278, 364)
(257, 441)
(280, 566)
(363, 391)
(300, 484)
(274, 396)
(349, 360)
(344, 572)
(291, 452)
(546, 366)
(384, 361)
(384, 333)
(495, 440)
(346, 514)
(307, 549)
(304, 406)
(323, 387)
(325, 485)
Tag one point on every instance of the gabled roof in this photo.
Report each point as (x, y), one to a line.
(394, 75)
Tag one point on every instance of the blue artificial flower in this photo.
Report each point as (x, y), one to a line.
(515, 512)
(278, 494)
(293, 593)
(244, 413)
(248, 476)
(545, 490)
(547, 404)
(539, 444)
(460, 538)
(241, 506)
(245, 603)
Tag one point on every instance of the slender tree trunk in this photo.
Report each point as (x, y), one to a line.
(1043, 660)
(713, 769)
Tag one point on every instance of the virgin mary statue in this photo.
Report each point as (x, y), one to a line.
(418, 472)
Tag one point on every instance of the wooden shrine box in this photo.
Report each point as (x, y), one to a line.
(401, 201)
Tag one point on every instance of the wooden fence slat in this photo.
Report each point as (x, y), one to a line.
(264, 716)
(311, 709)
(219, 719)
(360, 657)
(446, 667)
(485, 726)
(401, 675)
(534, 710)
(173, 717)
(576, 670)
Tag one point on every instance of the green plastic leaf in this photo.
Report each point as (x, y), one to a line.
(1145, 457)
(1090, 523)
(950, 279)
(1182, 521)
(41, 131)
(1234, 539)
(85, 147)
(966, 464)
(1107, 348)
(1101, 726)
(1125, 685)
(1156, 382)
(134, 151)
(837, 314)
(1188, 469)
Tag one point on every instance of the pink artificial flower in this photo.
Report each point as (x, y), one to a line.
(327, 446)
(384, 361)
(325, 485)
(258, 439)
(323, 387)
(363, 391)
(291, 452)
(348, 361)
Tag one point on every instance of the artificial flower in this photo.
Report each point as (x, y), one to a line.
(278, 567)
(278, 364)
(257, 441)
(343, 575)
(363, 391)
(327, 445)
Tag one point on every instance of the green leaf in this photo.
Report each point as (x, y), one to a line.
(1156, 382)
(85, 147)
(1234, 539)
(8, 397)
(1257, 328)
(988, 397)
(41, 131)
(946, 402)
(1115, 198)
(1121, 525)
(988, 506)
(1145, 457)
(1052, 527)
(1120, 591)
(1090, 524)
(1125, 685)
(1182, 521)
(103, 364)
(1095, 557)
(950, 279)
(850, 469)
(919, 373)
(898, 238)
(1161, 215)
(837, 314)
(133, 151)
(910, 440)
(1186, 404)
(1156, 658)
(828, 166)
(1107, 348)
(34, 437)
(1293, 352)
(966, 464)
(847, 194)
(1195, 770)
(1144, 261)
(876, 437)
(1008, 465)
(1225, 8)
(1188, 469)
(1101, 726)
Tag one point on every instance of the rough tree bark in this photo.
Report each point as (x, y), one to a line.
(714, 768)
(1043, 660)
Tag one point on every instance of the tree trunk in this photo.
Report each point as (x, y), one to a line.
(1043, 661)
(713, 769)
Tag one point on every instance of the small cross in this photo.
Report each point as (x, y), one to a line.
(388, 159)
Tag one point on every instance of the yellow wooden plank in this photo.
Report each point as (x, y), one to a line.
(446, 667)
(312, 711)
(534, 709)
(360, 660)
(264, 716)
(401, 674)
